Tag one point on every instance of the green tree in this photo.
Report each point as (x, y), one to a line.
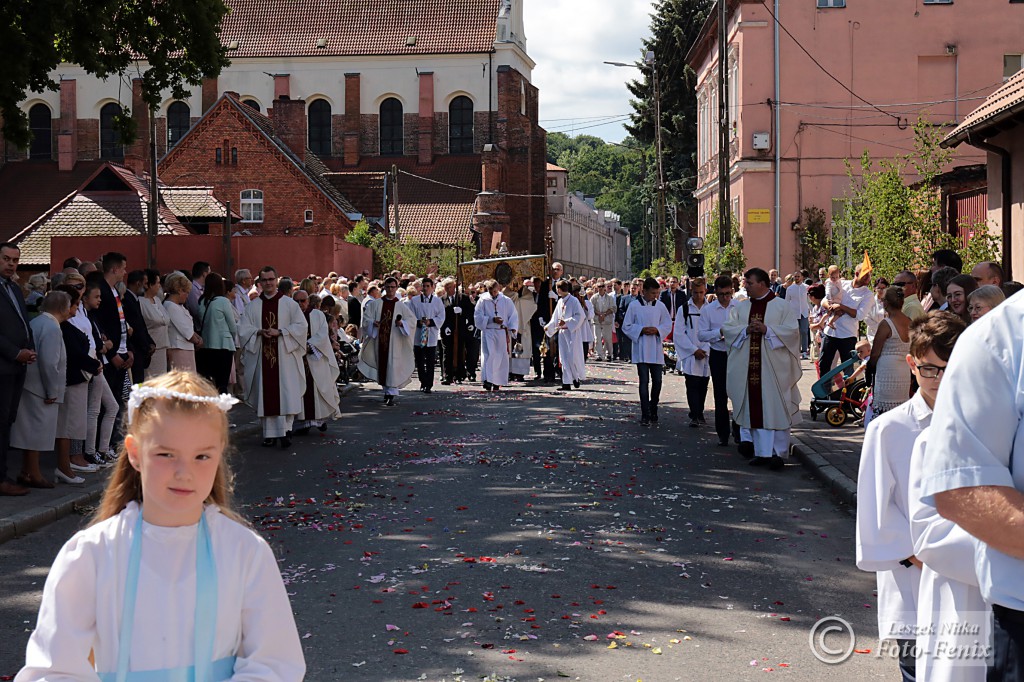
(813, 239)
(360, 234)
(720, 258)
(675, 25)
(177, 40)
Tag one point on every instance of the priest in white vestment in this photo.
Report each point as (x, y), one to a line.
(386, 355)
(647, 323)
(496, 318)
(429, 312)
(764, 368)
(272, 334)
(567, 321)
(525, 301)
(321, 400)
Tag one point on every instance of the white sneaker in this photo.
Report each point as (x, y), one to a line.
(88, 468)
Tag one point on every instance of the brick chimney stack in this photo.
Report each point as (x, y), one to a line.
(67, 136)
(138, 153)
(290, 124)
(425, 133)
(353, 120)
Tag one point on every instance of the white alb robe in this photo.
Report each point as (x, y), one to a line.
(948, 593)
(291, 346)
(570, 338)
(588, 328)
(323, 368)
(526, 306)
(495, 339)
(883, 514)
(688, 343)
(400, 364)
(780, 372)
(84, 591)
(647, 349)
(431, 308)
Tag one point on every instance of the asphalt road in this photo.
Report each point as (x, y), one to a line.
(529, 535)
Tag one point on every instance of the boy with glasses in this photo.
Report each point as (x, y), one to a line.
(884, 509)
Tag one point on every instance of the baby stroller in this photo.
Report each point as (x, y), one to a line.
(348, 363)
(839, 403)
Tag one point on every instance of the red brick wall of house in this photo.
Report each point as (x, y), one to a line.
(286, 192)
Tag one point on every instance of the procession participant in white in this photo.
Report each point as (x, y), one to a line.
(764, 368)
(386, 355)
(974, 469)
(709, 330)
(524, 298)
(178, 587)
(320, 402)
(566, 321)
(273, 333)
(604, 322)
(429, 312)
(693, 353)
(884, 541)
(647, 323)
(587, 334)
(496, 318)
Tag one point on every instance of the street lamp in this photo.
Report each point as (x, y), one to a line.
(651, 64)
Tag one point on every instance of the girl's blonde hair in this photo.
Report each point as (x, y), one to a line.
(125, 484)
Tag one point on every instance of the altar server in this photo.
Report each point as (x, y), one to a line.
(496, 318)
(647, 324)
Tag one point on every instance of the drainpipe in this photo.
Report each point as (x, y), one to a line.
(1006, 184)
(777, 142)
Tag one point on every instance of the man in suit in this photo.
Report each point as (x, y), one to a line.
(139, 340)
(17, 351)
(676, 301)
(546, 300)
(113, 323)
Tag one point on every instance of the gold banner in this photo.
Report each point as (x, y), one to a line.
(504, 270)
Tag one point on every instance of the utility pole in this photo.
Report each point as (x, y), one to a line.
(394, 199)
(659, 217)
(724, 202)
(154, 194)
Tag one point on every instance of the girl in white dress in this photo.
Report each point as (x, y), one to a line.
(177, 587)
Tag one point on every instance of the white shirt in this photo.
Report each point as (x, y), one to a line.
(430, 307)
(241, 298)
(977, 434)
(712, 319)
(123, 347)
(883, 514)
(846, 326)
(796, 295)
(81, 607)
(180, 326)
(687, 342)
(83, 324)
(640, 314)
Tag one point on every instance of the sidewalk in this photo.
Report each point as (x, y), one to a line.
(21, 515)
(831, 453)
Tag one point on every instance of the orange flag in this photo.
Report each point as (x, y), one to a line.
(865, 266)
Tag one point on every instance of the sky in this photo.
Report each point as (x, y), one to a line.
(570, 40)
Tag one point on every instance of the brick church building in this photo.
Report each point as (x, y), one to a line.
(344, 97)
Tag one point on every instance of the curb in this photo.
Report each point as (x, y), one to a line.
(837, 482)
(33, 519)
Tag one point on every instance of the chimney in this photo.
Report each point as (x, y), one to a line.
(282, 86)
(290, 124)
(139, 149)
(210, 93)
(353, 120)
(67, 136)
(425, 132)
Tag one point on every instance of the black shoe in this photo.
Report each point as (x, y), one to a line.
(285, 442)
(428, 389)
(322, 428)
(389, 401)
(487, 386)
(645, 420)
(269, 442)
(759, 461)
(302, 432)
(777, 463)
(723, 443)
(564, 387)
(446, 382)
(702, 421)
(746, 450)
(694, 423)
(654, 416)
(576, 383)
(495, 387)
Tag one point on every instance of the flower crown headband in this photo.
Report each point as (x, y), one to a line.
(141, 394)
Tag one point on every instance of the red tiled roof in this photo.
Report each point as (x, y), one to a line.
(435, 202)
(1005, 102)
(30, 188)
(365, 190)
(553, 167)
(194, 202)
(291, 28)
(112, 203)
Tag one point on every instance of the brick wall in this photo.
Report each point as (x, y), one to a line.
(526, 164)
(441, 132)
(411, 127)
(88, 138)
(369, 135)
(287, 193)
(480, 131)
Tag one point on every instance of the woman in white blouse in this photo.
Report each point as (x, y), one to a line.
(182, 339)
(157, 321)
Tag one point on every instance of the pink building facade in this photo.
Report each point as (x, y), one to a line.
(901, 60)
